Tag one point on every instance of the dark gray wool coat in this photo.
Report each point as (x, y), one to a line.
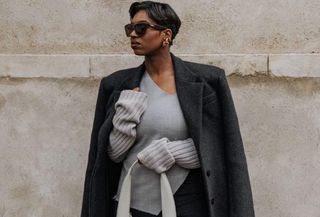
(211, 118)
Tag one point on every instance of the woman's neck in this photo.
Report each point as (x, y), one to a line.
(159, 65)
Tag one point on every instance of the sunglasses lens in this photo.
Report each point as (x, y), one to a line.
(128, 29)
(141, 28)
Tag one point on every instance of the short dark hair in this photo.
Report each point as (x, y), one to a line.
(161, 13)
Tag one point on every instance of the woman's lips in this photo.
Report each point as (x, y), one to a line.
(134, 45)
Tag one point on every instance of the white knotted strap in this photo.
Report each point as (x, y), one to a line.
(167, 200)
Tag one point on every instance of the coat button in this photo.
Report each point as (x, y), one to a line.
(212, 200)
(208, 172)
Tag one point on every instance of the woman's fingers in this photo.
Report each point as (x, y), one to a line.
(136, 89)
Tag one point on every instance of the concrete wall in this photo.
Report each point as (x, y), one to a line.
(54, 53)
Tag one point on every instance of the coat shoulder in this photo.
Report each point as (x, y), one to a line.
(115, 78)
(205, 71)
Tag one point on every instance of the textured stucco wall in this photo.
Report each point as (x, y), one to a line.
(54, 53)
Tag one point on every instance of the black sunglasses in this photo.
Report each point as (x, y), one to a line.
(141, 28)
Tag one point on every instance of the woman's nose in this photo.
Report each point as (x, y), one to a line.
(133, 34)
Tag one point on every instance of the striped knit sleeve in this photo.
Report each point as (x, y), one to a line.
(162, 153)
(129, 108)
(156, 156)
(185, 153)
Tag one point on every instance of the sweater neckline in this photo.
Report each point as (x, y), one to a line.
(157, 87)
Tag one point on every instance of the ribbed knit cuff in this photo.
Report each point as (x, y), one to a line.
(131, 104)
(184, 152)
(157, 156)
(129, 108)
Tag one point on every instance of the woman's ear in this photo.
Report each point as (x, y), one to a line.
(167, 33)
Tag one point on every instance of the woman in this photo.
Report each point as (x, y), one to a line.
(173, 116)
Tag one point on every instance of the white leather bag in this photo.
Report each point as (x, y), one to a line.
(167, 199)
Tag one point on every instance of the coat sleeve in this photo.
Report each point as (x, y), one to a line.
(239, 188)
(97, 122)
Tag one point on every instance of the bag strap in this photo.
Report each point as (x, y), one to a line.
(167, 199)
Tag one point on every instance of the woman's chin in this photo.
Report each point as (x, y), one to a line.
(138, 52)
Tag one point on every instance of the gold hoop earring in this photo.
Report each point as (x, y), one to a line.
(165, 42)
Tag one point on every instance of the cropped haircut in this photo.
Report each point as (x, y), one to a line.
(161, 13)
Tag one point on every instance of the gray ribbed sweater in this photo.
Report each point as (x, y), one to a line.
(149, 125)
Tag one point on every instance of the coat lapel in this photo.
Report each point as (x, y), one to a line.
(189, 91)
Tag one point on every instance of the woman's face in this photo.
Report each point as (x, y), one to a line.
(151, 41)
